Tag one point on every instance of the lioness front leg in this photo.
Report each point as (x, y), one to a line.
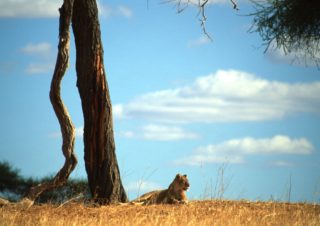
(183, 202)
(177, 201)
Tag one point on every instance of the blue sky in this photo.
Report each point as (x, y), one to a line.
(181, 103)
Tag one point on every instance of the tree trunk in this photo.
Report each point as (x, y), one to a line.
(99, 147)
(67, 128)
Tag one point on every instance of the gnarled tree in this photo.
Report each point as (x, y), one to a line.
(66, 125)
(99, 147)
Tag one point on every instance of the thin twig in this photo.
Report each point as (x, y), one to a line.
(235, 6)
(182, 5)
(70, 200)
(203, 18)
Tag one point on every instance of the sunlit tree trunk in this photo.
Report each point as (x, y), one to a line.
(99, 147)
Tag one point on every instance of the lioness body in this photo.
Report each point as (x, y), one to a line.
(174, 194)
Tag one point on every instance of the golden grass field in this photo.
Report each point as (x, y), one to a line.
(195, 213)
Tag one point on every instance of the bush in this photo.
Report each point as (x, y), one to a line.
(13, 186)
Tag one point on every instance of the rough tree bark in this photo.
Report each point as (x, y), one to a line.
(99, 147)
(67, 128)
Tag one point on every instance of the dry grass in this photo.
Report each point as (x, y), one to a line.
(195, 213)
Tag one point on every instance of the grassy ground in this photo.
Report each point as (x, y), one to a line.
(195, 213)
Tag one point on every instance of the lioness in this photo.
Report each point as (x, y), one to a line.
(175, 194)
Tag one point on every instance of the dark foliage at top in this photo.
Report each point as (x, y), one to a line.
(10, 179)
(8, 176)
(13, 186)
(294, 25)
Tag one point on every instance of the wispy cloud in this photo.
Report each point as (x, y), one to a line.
(225, 96)
(79, 131)
(199, 160)
(281, 163)
(124, 11)
(42, 49)
(115, 11)
(235, 150)
(29, 8)
(50, 8)
(203, 40)
(278, 144)
(300, 58)
(39, 68)
(161, 133)
(118, 111)
(141, 186)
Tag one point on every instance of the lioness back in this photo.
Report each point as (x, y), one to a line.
(147, 196)
(175, 193)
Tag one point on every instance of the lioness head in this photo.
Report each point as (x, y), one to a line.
(181, 182)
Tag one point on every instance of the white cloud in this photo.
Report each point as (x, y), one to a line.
(42, 50)
(235, 150)
(161, 133)
(199, 160)
(50, 8)
(39, 68)
(30, 8)
(55, 135)
(158, 132)
(115, 11)
(225, 96)
(142, 186)
(281, 163)
(279, 144)
(279, 55)
(117, 111)
(39, 49)
(203, 40)
(79, 132)
(124, 11)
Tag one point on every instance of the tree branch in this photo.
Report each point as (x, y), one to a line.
(67, 128)
(202, 4)
(203, 18)
(235, 6)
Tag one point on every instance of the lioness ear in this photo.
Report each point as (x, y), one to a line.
(178, 176)
(185, 175)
